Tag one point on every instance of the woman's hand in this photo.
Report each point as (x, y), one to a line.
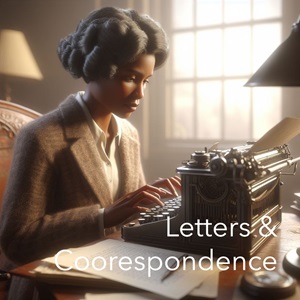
(171, 185)
(128, 205)
(132, 203)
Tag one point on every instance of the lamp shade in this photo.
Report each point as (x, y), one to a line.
(282, 68)
(16, 58)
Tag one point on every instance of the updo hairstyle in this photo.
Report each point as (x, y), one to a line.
(109, 38)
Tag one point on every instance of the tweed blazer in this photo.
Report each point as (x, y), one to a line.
(57, 184)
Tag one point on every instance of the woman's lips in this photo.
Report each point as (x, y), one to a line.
(132, 106)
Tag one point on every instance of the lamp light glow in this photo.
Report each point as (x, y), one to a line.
(16, 58)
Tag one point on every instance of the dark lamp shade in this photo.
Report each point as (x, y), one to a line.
(282, 68)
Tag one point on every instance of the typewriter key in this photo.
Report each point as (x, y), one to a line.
(165, 214)
(171, 211)
(141, 220)
(158, 217)
(147, 218)
(268, 285)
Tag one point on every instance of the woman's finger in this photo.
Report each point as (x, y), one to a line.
(176, 181)
(166, 183)
(145, 196)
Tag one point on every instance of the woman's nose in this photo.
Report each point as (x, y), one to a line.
(140, 91)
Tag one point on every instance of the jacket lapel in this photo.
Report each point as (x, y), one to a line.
(84, 149)
(129, 175)
(124, 169)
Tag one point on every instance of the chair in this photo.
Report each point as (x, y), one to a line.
(12, 118)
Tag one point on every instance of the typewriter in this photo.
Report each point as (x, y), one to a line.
(234, 186)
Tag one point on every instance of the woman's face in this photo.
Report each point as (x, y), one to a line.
(121, 95)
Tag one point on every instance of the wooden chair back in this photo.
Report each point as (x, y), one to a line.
(12, 118)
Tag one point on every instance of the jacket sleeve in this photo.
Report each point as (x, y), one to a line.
(28, 231)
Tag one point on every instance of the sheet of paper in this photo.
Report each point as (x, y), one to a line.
(122, 296)
(280, 134)
(208, 289)
(48, 269)
(49, 273)
(109, 253)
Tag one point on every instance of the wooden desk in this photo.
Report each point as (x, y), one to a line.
(288, 238)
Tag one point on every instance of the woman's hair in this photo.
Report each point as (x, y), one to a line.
(109, 38)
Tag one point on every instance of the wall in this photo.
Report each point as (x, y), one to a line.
(45, 22)
(291, 108)
(163, 162)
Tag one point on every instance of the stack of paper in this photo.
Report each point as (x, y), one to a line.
(129, 275)
(208, 289)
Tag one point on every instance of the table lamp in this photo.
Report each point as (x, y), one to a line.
(16, 59)
(282, 68)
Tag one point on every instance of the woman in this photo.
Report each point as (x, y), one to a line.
(76, 171)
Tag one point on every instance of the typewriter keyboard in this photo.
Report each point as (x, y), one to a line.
(171, 208)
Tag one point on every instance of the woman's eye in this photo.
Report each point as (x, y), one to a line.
(136, 80)
(146, 82)
(130, 78)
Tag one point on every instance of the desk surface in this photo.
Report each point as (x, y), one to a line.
(288, 238)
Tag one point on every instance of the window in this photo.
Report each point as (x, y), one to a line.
(215, 47)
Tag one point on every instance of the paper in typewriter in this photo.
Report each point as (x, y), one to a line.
(280, 134)
(176, 286)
